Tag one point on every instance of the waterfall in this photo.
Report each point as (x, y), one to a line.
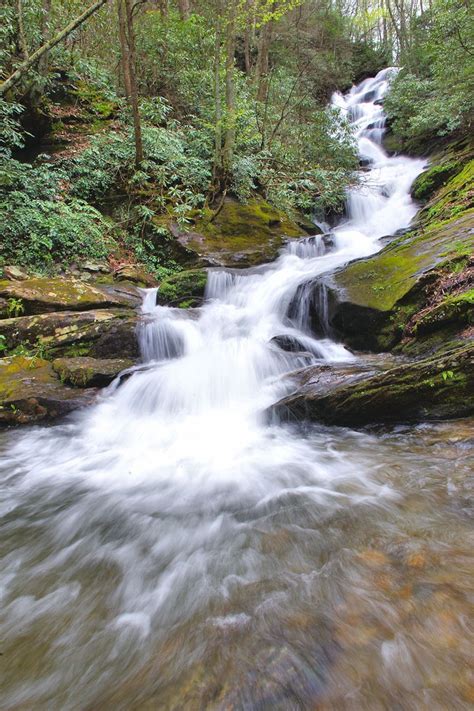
(154, 508)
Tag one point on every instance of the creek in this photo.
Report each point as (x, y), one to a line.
(174, 547)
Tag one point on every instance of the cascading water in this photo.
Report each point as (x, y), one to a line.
(169, 548)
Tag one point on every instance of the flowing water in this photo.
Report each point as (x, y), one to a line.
(172, 548)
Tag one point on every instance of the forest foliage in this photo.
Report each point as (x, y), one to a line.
(149, 112)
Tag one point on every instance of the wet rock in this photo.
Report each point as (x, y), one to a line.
(60, 294)
(87, 372)
(371, 301)
(240, 235)
(289, 344)
(75, 333)
(30, 392)
(437, 387)
(185, 289)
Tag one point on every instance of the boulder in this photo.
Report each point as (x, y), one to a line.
(104, 332)
(14, 273)
(40, 295)
(240, 235)
(185, 289)
(438, 387)
(84, 372)
(30, 392)
(372, 300)
(132, 273)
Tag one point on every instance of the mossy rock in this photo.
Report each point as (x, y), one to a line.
(438, 387)
(30, 392)
(454, 197)
(84, 372)
(241, 234)
(432, 179)
(457, 309)
(40, 295)
(371, 300)
(108, 332)
(184, 289)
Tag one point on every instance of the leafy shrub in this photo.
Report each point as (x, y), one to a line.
(42, 225)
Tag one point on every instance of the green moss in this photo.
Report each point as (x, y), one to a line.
(382, 280)
(184, 289)
(94, 101)
(432, 179)
(453, 199)
(243, 234)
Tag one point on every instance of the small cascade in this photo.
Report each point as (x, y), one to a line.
(308, 247)
(220, 282)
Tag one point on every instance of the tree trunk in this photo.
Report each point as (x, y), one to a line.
(36, 56)
(45, 33)
(184, 7)
(130, 59)
(21, 30)
(124, 54)
(218, 157)
(261, 74)
(230, 89)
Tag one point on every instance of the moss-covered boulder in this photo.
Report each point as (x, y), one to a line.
(438, 387)
(240, 235)
(184, 289)
(372, 300)
(84, 372)
(446, 163)
(40, 295)
(104, 332)
(30, 391)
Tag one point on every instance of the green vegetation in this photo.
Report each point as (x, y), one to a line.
(101, 150)
(433, 95)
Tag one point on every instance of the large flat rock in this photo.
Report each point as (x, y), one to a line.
(85, 372)
(40, 295)
(101, 332)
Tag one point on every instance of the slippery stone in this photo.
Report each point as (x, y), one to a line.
(134, 274)
(438, 387)
(185, 289)
(241, 235)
